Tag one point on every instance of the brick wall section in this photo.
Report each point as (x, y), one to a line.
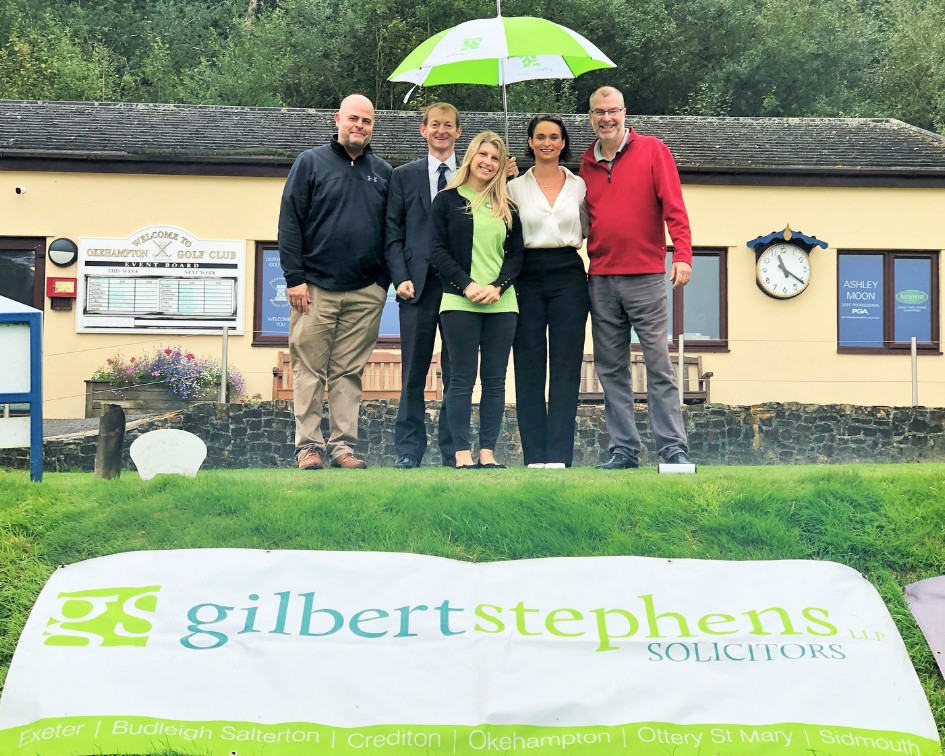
(262, 435)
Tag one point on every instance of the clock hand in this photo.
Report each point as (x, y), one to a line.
(792, 274)
(781, 266)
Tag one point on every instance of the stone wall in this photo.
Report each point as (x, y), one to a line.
(261, 435)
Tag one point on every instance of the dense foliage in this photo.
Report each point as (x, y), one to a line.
(882, 58)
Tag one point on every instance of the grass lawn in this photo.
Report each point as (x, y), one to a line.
(887, 521)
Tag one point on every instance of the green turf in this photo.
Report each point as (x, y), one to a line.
(886, 521)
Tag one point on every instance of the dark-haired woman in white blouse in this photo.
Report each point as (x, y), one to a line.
(552, 296)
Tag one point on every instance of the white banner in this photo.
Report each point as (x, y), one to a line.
(223, 651)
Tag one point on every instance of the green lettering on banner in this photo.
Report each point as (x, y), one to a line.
(138, 735)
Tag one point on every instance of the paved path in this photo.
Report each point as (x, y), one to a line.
(78, 425)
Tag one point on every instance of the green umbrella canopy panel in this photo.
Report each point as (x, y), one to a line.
(496, 51)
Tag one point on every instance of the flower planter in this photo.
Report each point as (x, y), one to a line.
(142, 398)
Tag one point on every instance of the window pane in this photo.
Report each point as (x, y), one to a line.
(390, 316)
(701, 299)
(860, 293)
(274, 306)
(16, 275)
(913, 299)
(669, 294)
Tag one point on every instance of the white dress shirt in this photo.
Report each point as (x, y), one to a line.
(563, 224)
(433, 168)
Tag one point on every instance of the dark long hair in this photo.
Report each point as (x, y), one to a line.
(555, 119)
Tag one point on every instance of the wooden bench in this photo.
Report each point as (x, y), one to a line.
(381, 379)
(695, 381)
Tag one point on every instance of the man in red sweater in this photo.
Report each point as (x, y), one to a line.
(633, 193)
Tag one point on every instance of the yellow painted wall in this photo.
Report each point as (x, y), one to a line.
(72, 205)
(787, 350)
(779, 350)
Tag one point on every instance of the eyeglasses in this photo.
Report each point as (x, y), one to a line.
(613, 112)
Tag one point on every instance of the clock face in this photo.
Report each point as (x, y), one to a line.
(783, 270)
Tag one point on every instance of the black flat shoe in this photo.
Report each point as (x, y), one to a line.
(620, 462)
(464, 467)
(489, 466)
(407, 462)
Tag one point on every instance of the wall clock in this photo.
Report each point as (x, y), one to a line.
(783, 270)
(782, 262)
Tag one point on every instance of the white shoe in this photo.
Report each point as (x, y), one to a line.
(537, 466)
(554, 465)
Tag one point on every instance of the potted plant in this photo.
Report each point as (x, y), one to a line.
(166, 380)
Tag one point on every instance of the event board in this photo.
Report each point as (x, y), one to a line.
(161, 279)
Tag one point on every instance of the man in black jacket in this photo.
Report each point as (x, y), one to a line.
(331, 246)
(407, 249)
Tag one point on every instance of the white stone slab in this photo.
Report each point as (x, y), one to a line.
(168, 451)
(14, 432)
(15, 365)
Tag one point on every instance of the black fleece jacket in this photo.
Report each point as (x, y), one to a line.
(451, 250)
(331, 223)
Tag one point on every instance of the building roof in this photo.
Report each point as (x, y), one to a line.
(241, 136)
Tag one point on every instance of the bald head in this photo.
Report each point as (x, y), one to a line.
(353, 100)
(355, 122)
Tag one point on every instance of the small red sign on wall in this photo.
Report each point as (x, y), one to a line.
(61, 287)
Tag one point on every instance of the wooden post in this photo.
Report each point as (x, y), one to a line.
(111, 438)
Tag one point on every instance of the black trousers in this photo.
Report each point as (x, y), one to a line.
(553, 305)
(471, 336)
(418, 324)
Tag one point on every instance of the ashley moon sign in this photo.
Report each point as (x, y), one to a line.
(245, 652)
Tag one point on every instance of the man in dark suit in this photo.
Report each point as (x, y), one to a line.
(407, 249)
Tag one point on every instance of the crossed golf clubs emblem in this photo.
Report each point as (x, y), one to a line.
(162, 249)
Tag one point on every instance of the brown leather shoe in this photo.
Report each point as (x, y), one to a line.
(310, 460)
(349, 462)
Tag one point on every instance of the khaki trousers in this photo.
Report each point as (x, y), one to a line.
(329, 346)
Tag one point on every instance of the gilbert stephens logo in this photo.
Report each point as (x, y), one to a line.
(103, 617)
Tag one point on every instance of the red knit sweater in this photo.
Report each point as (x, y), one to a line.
(628, 206)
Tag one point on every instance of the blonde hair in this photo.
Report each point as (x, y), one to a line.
(494, 192)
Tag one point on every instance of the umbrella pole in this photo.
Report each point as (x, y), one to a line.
(505, 99)
(505, 108)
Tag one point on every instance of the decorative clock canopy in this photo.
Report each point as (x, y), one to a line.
(787, 235)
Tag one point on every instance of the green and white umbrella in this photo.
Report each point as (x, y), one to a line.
(500, 51)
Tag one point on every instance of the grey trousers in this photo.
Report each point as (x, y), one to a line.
(617, 304)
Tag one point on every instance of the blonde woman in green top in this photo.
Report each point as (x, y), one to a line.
(477, 248)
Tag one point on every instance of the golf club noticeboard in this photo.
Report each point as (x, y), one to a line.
(234, 651)
(160, 279)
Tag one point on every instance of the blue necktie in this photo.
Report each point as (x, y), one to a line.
(441, 181)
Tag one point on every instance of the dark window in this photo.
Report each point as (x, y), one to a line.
(886, 298)
(271, 305)
(23, 270)
(699, 310)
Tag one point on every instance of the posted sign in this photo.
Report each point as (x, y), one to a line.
(250, 652)
(162, 279)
